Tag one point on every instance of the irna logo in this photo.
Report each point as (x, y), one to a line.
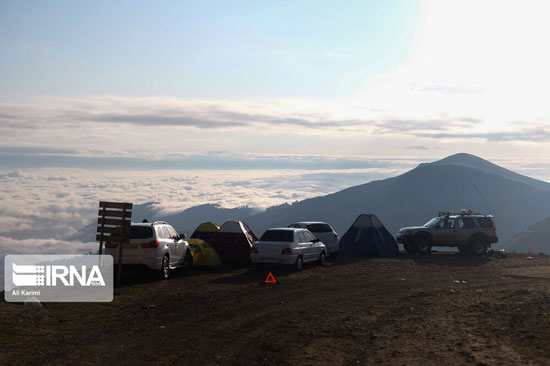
(58, 278)
(52, 275)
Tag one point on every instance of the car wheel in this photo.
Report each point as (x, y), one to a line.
(463, 249)
(188, 260)
(165, 268)
(424, 246)
(408, 248)
(479, 248)
(322, 259)
(299, 263)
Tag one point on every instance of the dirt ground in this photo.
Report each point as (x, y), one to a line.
(442, 309)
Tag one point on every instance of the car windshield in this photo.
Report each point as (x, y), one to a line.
(433, 222)
(319, 228)
(278, 235)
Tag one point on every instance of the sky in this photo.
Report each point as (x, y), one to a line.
(253, 102)
(193, 84)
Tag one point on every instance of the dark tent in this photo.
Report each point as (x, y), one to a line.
(233, 242)
(368, 237)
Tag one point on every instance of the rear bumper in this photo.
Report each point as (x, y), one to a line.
(282, 259)
(154, 263)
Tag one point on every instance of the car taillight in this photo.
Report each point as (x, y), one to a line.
(253, 250)
(110, 245)
(151, 244)
(286, 251)
(336, 236)
(495, 232)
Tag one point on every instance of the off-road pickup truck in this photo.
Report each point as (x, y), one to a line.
(471, 233)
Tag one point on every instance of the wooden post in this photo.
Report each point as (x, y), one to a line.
(122, 242)
(101, 233)
(114, 221)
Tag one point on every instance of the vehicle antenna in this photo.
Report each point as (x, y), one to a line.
(483, 198)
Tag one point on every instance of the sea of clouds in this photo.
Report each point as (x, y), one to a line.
(42, 209)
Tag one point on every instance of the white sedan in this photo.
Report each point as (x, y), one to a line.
(293, 246)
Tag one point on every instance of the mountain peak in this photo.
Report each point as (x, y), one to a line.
(466, 159)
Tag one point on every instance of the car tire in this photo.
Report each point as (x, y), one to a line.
(164, 272)
(299, 263)
(424, 246)
(322, 259)
(408, 248)
(188, 260)
(478, 248)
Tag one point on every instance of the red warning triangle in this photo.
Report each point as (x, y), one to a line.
(270, 278)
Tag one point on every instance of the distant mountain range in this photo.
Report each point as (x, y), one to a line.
(458, 181)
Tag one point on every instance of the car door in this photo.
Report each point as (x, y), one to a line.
(466, 227)
(315, 248)
(304, 245)
(447, 234)
(179, 246)
(169, 242)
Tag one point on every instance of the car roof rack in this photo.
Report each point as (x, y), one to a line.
(160, 223)
(463, 213)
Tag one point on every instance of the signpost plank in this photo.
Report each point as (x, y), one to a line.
(114, 220)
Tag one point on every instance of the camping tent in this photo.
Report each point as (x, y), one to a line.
(367, 236)
(205, 231)
(233, 242)
(203, 254)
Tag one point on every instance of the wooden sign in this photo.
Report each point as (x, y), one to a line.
(113, 226)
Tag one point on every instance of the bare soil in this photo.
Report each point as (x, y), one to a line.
(441, 309)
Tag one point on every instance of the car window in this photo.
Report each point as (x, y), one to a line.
(278, 235)
(165, 232)
(141, 232)
(301, 237)
(436, 222)
(319, 228)
(173, 233)
(309, 236)
(485, 222)
(466, 223)
(450, 224)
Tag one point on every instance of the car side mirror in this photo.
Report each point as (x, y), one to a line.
(315, 240)
(182, 236)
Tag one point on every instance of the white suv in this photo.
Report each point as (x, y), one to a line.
(156, 245)
(323, 232)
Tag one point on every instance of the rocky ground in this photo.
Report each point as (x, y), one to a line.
(442, 309)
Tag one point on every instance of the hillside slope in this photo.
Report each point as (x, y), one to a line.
(414, 197)
(536, 237)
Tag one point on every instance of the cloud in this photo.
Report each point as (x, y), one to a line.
(210, 160)
(417, 147)
(71, 112)
(407, 126)
(536, 134)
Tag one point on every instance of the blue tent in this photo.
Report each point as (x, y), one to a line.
(368, 237)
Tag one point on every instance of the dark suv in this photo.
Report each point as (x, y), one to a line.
(471, 233)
